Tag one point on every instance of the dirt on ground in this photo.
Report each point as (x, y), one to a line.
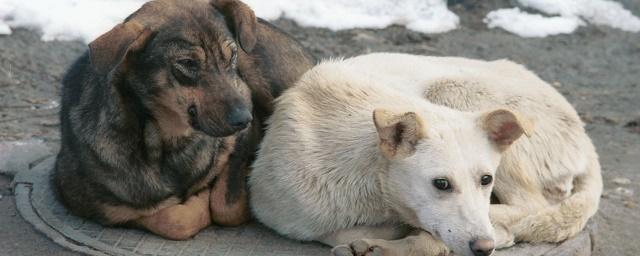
(596, 68)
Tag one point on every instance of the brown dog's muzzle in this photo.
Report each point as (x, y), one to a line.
(239, 117)
(222, 121)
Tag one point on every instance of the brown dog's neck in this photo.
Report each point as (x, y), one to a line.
(122, 107)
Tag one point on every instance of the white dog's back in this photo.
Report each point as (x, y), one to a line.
(311, 164)
(538, 174)
(552, 160)
(534, 174)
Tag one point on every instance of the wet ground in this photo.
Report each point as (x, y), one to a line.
(596, 68)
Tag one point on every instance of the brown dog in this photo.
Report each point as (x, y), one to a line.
(157, 119)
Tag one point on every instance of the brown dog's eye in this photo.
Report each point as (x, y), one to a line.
(486, 180)
(230, 54)
(188, 63)
(442, 184)
(234, 60)
(186, 70)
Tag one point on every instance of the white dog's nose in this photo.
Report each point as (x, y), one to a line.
(482, 247)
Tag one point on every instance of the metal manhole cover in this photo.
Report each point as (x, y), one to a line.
(37, 203)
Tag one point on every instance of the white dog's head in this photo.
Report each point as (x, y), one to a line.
(441, 171)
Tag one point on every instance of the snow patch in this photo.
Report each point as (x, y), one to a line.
(5, 29)
(599, 12)
(5, 10)
(66, 19)
(428, 16)
(531, 25)
(87, 19)
(570, 13)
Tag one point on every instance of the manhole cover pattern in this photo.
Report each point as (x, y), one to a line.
(40, 207)
(252, 239)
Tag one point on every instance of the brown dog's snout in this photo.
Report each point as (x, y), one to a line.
(482, 247)
(219, 121)
(239, 117)
(193, 111)
(193, 116)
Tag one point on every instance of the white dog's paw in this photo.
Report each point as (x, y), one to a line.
(504, 238)
(342, 250)
(358, 248)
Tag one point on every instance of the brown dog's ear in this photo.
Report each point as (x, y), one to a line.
(245, 24)
(504, 127)
(108, 50)
(398, 133)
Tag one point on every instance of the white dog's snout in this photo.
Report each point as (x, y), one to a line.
(478, 225)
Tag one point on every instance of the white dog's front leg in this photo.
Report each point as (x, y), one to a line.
(504, 237)
(344, 236)
(503, 216)
(384, 241)
(506, 214)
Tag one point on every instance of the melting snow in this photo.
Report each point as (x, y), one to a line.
(570, 15)
(87, 19)
(531, 25)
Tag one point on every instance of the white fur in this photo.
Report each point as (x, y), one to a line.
(320, 172)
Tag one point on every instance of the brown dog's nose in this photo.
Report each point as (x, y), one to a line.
(482, 247)
(239, 118)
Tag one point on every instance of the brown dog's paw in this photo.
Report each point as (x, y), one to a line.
(182, 221)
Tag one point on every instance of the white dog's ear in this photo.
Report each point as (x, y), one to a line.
(505, 126)
(398, 133)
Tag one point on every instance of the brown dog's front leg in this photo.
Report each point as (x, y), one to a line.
(182, 221)
(229, 196)
(228, 200)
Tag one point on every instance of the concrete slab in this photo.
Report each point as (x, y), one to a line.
(16, 156)
(37, 203)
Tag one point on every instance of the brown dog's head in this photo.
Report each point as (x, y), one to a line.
(175, 62)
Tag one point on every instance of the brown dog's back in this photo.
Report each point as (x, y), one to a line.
(141, 130)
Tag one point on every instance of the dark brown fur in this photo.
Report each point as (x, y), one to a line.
(150, 114)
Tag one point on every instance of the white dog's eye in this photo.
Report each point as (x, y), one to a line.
(486, 180)
(442, 184)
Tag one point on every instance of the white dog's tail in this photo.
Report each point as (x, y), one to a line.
(562, 221)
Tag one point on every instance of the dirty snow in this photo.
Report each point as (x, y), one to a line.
(531, 25)
(86, 19)
(4, 11)
(569, 15)
(66, 19)
(429, 16)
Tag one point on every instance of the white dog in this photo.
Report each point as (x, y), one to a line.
(368, 153)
